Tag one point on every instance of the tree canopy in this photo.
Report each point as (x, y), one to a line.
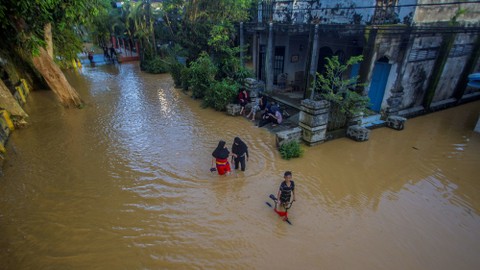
(23, 21)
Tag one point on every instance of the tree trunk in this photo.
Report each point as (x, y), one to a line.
(9, 103)
(48, 38)
(55, 79)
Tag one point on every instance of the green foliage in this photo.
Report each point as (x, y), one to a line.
(23, 21)
(225, 54)
(155, 65)
(221, 36)
(176, 72)
(290, 150)
(66, 45)
(332, 86)
(241, 74)
(178, 50)
(202, 74)
(220, 94)
(205, 25)
(185, 77)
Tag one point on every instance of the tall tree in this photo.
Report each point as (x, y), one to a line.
(26, 25)
(195, 22)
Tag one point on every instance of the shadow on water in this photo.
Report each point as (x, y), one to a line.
(125, 183)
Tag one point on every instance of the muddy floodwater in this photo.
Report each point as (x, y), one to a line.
(125, 184)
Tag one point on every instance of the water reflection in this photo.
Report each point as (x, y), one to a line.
(125, 183)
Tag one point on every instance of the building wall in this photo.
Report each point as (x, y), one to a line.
(298, 47)
(294, 46)
(444, 13)
(391, 47)
(411, 51)
(458, 57)
(336, 11)
(418, 66)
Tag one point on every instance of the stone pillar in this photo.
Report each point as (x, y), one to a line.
(260, 12)
(395, 101)
(269, 60)
(312, 74)
(255, 53)
(242, 45)
(313, 120)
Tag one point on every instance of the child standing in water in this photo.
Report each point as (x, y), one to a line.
(286, 191)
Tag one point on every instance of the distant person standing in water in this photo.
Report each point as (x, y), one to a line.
(239, 153)
(220, 158)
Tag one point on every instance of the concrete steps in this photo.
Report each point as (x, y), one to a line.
(373, 121)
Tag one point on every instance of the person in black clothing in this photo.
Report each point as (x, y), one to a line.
(106, 56)
(113, 52)
(286, 191)
(239, 153)
(266, 118)
(90, 57)
(267, 115)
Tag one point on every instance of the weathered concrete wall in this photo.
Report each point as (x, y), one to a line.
(418, 66)
(469, 89)
(389, 46)
(335, 11)
(455, 64)
(444, 13)
(299, 47)
(328, 12)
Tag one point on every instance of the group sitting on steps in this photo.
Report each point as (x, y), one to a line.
(271, 112)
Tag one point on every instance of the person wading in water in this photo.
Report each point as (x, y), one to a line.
(286, 191)
(220, 159)
(239, 153)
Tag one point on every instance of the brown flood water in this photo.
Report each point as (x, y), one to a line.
(125, 184)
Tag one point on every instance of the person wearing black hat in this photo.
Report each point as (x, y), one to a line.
(239, 153)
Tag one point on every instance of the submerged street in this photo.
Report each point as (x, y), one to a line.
(125, 184)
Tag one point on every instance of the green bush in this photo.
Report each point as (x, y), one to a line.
(220, 94)
(202, 74)
(156, 65)
(332, 86)
(185, 78)
(176, 72)
(290, 150)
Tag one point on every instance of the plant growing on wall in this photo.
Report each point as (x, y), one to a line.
(332, 85)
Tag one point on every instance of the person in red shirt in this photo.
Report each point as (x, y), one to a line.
(220, 159)
(243, 99)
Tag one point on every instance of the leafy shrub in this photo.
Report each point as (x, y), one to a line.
(242, 74)
(338, 90)
(202, 74)
(220, 94)
(185, 78)
(176, 72)
(156, 65)
(290, 150)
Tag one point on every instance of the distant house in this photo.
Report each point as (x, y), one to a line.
(417, 53)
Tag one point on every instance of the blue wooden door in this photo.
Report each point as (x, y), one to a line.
(378, 84)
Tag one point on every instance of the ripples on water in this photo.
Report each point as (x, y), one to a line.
(125, 184)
